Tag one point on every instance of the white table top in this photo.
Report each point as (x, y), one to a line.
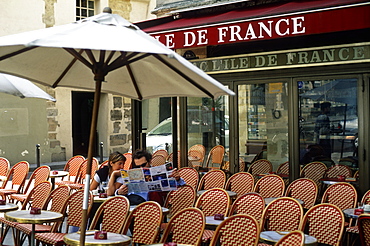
(350, 212)
(8, 207)
(230, 193)
(274, 236)
(270, 199)
(24, 216)
(211, 221)
(59, 174)
(112, 239)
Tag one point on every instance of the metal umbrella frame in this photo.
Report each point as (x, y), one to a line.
(104, 44)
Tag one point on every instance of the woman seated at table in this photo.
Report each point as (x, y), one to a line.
(140, 159)
(115, 164)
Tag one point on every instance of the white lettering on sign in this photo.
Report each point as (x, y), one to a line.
(270, 29)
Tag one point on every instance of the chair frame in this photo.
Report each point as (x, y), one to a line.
(154, 230)
(257, 187)
(283, 225)
(192, 230)
(310, 201)
(212, 153)
(206, 183)
(295, 238)
(235, 224)
(220, 210)
(240, 183)
(20, 181)
(254, 201)
(364, 220)
(318, 234)
(110, 221)
(187, 174)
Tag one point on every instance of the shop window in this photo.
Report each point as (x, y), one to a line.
(263, 117)
(328, 120)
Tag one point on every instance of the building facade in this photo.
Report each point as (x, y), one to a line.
(62, 128)
(287, 61)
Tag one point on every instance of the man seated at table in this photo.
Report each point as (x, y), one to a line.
(140, 159)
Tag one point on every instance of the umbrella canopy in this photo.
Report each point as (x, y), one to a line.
(21, 87)
(149, 69)
(130, 62)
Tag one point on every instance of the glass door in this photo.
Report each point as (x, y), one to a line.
(263, 117)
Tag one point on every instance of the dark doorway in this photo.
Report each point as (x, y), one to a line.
(82, 105)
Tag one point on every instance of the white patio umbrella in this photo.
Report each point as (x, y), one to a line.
(122, 59)
(21, 87)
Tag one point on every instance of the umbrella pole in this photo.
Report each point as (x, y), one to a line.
(94, 121)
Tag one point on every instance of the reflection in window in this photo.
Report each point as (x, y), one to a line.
(263, 117)
(328, 120)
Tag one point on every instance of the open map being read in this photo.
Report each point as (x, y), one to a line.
(149, 179)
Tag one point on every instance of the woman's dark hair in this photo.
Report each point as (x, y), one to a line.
(114, 157)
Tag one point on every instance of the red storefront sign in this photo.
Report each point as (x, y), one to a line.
(335, 19)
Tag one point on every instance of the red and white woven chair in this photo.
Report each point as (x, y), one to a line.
(215, 157)
(128, 162)
(183, 197)
(212, 179)
(364, 229)
(293, 238)
(55, 203)
(314, 171)
(170, 158)
(251, 203)
(161, 152)
(282, 214)
(37, 197)
(39, 175)
(270, 186)
(73, 205)
(240, 229)
(259, 167)
(72, 166)
(283, 168)
(240, 183)
(195, 158)
(185, 227)
(342, 194)
(211, 202)
(4, 167)
(325, 222)
(158, 160)
(113, 213)
(190, 176)
(303, 189)
(15, 179)
(145, 221)
(177, 200)
(81, 175)
(352, 231)
(338, 169)
(200, 152)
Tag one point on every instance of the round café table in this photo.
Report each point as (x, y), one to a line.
(212, 223)
(350, 213)
(330, 181)
(8, 207)
(52, 176)
(230, 193)
(271, 237)
(270, 199)
(112, 239)
(24, 217)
